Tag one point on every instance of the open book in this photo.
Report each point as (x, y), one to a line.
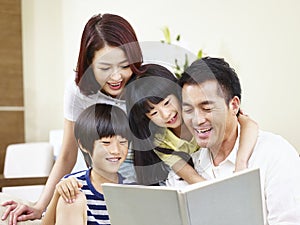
(235, 200)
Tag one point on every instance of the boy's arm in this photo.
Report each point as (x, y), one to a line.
(50, 215)
(248, 138)
(187, 172)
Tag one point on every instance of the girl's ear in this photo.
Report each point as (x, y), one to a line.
(234, 105)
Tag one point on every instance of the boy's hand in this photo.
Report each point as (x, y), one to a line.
(68, 189)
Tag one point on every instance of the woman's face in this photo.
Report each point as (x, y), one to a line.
(111, 68)
(166, 113)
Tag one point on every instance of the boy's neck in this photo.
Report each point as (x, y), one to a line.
(97, 179)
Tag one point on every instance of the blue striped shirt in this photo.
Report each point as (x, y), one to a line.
(96, 207)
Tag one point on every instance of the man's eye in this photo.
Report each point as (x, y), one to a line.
(187, 110)
(208, 109)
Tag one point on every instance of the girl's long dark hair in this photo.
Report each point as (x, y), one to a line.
(153, 86)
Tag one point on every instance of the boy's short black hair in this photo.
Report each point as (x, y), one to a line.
(98, 121)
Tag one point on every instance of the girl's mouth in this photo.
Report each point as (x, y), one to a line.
(173, 119)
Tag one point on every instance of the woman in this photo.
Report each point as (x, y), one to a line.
(109, 55)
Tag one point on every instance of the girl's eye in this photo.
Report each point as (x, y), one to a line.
(153, 113)
(167, 102)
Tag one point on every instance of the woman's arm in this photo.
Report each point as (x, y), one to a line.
(248, 138)
(63, 166)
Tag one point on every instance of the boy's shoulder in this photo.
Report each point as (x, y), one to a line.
(77, 174)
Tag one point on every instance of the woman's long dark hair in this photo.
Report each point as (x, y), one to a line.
(101, 30)
(153, 86)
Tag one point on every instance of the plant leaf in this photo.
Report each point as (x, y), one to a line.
(167, 35)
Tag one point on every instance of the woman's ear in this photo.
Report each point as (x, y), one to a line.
(234, 105)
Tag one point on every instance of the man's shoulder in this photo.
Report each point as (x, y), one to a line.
(274, 143)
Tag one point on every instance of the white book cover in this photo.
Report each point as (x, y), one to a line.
(234, 200)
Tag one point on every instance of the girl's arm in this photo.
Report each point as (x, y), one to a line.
(248, 138)
(187, 172)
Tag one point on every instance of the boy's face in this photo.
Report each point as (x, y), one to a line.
(109, 153)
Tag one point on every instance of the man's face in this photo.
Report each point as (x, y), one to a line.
(206, 114)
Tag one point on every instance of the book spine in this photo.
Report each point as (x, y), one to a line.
(184, 208)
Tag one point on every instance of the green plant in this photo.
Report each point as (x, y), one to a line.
(178, 69)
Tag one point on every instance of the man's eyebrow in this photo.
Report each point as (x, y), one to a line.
(207, 102)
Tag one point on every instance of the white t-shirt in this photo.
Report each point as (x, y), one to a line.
(75, 102)
(279, 165)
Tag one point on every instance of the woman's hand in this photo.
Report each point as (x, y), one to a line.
(68, 189)
(20, 212)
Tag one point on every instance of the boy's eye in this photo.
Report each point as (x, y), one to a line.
(105, 142)
(123, 142)
(125, 66)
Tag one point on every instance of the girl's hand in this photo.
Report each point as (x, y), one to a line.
(68, 189)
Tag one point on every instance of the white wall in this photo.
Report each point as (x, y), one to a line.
(260, 39)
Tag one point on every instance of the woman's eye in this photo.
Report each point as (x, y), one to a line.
(167, 102)
(104, 68)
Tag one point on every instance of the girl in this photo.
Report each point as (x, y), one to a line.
(109, 55)
(101, 131)
(162, 140)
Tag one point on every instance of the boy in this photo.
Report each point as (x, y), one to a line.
(102, 131)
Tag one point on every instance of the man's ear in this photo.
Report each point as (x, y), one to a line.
(234, 105)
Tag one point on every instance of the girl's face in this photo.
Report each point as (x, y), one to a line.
(108, 155)
(167, 113)
(111, 69)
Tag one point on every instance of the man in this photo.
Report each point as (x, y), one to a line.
(211, 97)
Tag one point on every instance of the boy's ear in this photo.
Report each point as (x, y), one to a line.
(234, 105)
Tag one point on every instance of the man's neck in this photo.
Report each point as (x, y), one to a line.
(219, 154)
